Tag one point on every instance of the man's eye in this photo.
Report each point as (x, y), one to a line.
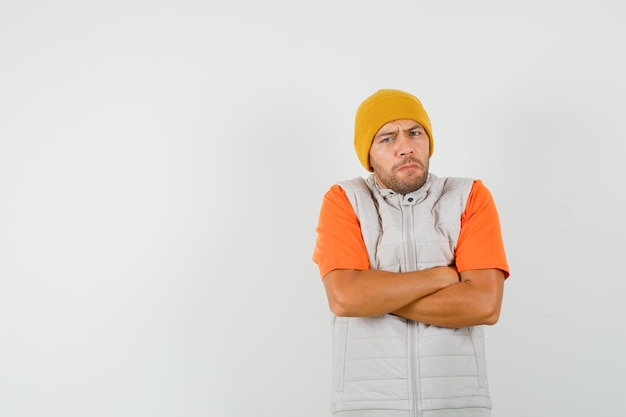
(415, 132)
(385, 140)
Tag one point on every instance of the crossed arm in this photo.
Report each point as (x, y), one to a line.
(437, 296)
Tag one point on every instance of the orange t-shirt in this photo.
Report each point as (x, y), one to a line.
(340, 244)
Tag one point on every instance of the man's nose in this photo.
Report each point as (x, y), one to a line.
(404, 145)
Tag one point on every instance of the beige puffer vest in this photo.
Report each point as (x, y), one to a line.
(388, 366)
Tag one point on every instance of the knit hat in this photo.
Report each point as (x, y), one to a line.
(380, 108)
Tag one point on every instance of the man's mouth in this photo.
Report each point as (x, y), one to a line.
(409, 165)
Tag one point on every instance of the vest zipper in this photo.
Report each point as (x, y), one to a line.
(411, 265)
(413, 329)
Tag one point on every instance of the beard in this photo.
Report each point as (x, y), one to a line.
(390, 178)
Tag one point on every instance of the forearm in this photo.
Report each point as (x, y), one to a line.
(473, 301)
(368, 293)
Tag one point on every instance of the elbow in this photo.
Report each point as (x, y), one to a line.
(346, 298)
(491, 315)
(492, 319)
(340, 308)
(341, 301)
(346, 304)
(487, 288)
(338, 311)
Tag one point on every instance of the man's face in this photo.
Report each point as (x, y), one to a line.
(399, 156)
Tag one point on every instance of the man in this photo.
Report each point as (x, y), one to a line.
(413, 266)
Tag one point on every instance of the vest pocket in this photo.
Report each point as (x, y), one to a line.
(452, 365)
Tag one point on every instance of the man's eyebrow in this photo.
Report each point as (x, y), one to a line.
(391, 132)
(386, 133)
(416, 126)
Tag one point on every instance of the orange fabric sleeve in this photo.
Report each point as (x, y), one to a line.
(340, 244)
(339, 241)
(480, 241)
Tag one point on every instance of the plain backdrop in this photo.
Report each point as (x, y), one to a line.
(162, 165)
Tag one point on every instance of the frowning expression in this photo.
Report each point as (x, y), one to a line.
(399, 155)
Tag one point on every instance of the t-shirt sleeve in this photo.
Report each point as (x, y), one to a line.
(480, 243)
(339, 242)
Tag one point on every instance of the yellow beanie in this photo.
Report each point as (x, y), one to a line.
(383, 107)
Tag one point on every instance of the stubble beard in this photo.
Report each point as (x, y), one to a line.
(401, 185)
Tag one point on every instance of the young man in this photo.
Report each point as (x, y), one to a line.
(413, 266)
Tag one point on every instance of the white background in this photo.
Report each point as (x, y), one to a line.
(162, 164)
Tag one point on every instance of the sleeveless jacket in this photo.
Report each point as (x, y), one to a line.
(388, 366)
